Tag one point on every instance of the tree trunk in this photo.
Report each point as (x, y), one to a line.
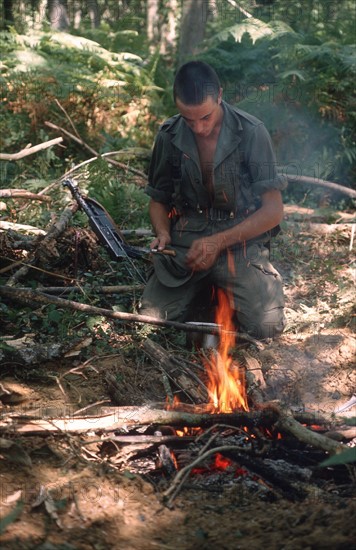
(76, 13)
(192, 28)
(94, 13)
(8, 14)
(169, 29)
(39, 15)
(58, 15)
(153, 24)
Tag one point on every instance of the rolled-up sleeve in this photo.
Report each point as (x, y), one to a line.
(160, 185)
(261, 162)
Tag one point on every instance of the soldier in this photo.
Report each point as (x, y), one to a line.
(215, 197)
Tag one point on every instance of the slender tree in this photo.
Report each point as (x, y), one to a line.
(153, 23)
(94, 13)
(8, 13)
(192, 27)
(58, 14)
(169, 28)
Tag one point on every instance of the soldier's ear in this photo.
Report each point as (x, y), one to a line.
(220, 96)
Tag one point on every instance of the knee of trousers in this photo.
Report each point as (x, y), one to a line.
(267, 324)
(169, 304)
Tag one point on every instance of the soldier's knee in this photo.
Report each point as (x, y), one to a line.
(268, 325)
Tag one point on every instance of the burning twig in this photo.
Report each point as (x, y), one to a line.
(170, 494)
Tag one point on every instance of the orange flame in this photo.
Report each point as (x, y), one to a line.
(226, 385)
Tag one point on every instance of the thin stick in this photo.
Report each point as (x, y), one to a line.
(94, 152)
(21, 193)
(68, 118)
(183, 474)
(41, 297)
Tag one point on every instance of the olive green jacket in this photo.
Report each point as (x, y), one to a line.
(244, 165)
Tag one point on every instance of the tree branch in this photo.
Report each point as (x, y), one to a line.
(293, 178)
(21, 193)
(30, 150)
(28, 296)
(94, 152)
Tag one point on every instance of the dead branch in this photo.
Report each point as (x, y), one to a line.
(343, 229)
(293, 178)
(30, 150)
(44, 244)
(21, 227)
(95, 153)
(254, 377)
(21, 193)
(119, 289)
(193, 388)
(183, 474)
(35, 296)
(146, 439)
(114, 418)
(287, 423)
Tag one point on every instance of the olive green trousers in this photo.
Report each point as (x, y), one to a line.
(245, 272)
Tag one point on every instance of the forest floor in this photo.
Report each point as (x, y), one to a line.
(56, 495)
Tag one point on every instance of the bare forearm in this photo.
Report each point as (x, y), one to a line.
(204, 252)
(161, 223)
(264, 219)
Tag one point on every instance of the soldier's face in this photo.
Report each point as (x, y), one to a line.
(204, 118)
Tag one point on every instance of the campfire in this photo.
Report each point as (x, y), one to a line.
(226, 381)
(222, 432)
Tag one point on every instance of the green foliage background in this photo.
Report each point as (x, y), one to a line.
(292, 65)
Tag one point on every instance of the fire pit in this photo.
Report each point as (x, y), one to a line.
(220, 433)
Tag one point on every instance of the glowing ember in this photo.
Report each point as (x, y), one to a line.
(226, 385)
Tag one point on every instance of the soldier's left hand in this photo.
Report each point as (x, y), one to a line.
(203, 253)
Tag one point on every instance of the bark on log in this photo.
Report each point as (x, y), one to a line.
(115, 418)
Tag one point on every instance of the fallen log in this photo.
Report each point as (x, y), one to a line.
(294, 178)
(116, 289)
(4, 225)
(116, 418)
(286, 423)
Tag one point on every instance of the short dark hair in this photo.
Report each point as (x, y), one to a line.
(194, 82)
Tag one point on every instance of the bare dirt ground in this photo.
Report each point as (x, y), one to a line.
(56, 495)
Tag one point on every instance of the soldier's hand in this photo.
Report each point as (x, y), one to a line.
(203, 253)
(161, 241)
